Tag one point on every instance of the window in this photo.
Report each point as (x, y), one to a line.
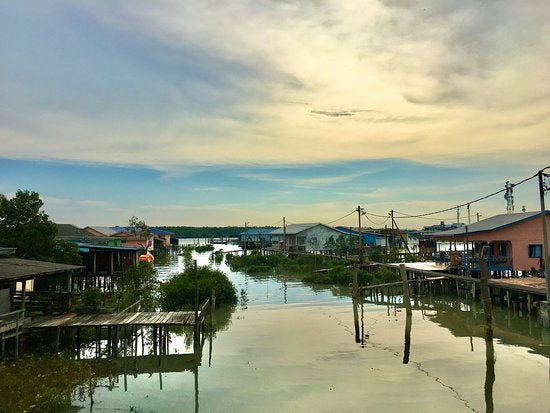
(535, 251)
(503, 250)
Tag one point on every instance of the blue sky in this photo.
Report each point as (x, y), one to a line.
(200, 113)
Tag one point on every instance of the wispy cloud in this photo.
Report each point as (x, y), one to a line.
(163, 84)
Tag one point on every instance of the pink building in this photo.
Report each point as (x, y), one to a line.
(127, 238)
(515, 240)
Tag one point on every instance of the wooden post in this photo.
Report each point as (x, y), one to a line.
(355, 282)
(406, 298)
(356, 320)
(23, 294)
(57, 336)
(484, 287)
(408, 325)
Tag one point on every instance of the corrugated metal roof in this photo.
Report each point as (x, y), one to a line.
(12, 269)
(104, 230)
(257, 231)
(489, 224)
(106, 247)
(154, 231)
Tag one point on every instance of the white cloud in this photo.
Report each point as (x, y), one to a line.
(427, 81)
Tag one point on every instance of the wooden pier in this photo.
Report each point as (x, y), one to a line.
(520, 292)
(172, 318)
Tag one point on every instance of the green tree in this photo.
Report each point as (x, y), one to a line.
(138, 282)
(24, 226)
(67, 253)
(139, 229)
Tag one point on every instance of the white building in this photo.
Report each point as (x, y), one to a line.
(306, 237)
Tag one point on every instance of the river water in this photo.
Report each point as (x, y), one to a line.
(290, 347)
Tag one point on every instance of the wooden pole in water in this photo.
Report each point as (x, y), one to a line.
(356, 320)
(196, 338)
(406, 352)
(406, 298)
(484, 287)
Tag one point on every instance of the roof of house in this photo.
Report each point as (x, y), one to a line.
(12, 269)
(257, 231)
(70, 230)
(489, 224)
(106, 247)
(103, 230)
(154, 231)
(293, 229)
(355, 231)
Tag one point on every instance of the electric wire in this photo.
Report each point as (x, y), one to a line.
(341, 218)
(466, 203)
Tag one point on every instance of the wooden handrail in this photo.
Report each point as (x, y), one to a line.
(132, 305)
(12, 313)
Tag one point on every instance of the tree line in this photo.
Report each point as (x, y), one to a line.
(207, 232)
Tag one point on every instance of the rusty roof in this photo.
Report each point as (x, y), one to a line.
(13, 269)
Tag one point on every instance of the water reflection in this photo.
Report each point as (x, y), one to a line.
(489, 372)
(406, 351)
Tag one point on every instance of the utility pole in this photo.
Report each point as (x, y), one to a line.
(477, 214)
(359, 213)
(245, 237)
(392, 229)
(544, 306)
(457, 214)
(544, 234)
(469, 220)
(284, 235)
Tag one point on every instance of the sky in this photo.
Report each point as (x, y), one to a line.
(211, 113)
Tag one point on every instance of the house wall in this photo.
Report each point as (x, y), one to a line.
(138, 243)
(520, 235)
(317, 236)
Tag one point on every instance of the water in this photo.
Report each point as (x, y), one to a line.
(288, 347)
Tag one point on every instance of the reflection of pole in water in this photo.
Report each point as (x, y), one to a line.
(408, 325)
(489, 349)
(362, 326)
(196, 373)
(356, 320)
(489, 373)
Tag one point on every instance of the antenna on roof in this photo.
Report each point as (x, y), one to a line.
(509, 197)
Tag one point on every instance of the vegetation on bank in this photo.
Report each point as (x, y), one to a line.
(139, 282)
(336, 271)
(41, 384)
(204, 248)
(178, 293)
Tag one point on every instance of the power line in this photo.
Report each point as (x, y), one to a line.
(339, 219)
(375, 215)
(466, 203)
(376, 223)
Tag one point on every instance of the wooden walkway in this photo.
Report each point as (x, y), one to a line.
(180, 318)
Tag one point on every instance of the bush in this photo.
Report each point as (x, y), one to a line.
(40, 384)
(179, 292)
(90, 300)
(204, 248)
(139, 281)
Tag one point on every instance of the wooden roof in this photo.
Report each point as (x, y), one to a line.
(12, 269)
